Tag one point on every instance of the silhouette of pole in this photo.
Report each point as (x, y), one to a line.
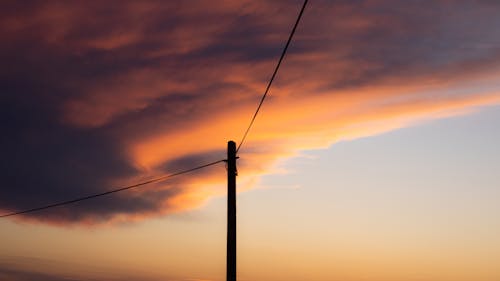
(231, 212)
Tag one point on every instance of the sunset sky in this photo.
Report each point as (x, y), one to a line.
(374, 158)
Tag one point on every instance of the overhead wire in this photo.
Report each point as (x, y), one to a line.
(273, 76)
(158, 179)
(162, 178)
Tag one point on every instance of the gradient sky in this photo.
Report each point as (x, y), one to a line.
(374, 158)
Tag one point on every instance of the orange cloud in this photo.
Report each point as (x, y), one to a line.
(121, 92)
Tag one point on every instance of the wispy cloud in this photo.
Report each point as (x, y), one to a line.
(17, 268)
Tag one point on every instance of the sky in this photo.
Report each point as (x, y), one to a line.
(373, 158)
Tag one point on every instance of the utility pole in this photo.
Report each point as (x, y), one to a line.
(231, 212)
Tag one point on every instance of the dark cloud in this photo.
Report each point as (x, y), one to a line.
(24, 268)
(27, 275)
(16, 275)
(83, 84)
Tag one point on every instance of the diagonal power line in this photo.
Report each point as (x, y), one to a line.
(159, 179)
(162, 178)
(274, 74)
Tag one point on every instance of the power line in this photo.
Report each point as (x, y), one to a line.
(162, 178)
(274, 74)
(188, 170)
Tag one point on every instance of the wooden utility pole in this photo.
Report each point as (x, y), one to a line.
(231, 212)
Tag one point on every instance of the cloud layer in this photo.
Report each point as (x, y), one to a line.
(99, 95)
(18, 268)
